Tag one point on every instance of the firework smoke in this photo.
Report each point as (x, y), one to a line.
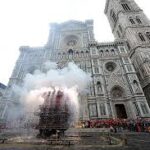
(71, 80)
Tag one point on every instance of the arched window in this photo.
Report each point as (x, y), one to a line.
(107, 52)
(120, 28)
(138, 20)
(131, 20)
(148, 35)
(70, 51)
(101, 51)
(141, 37)
(113, 51)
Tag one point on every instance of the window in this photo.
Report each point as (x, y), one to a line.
(118, 34)
(109, 109)
(112, 52)
(120, 28)
(110, 66)
(125, 60)
(144, 108)
(136, 108)
(138, 20)
(128, 45)
(136, 86)
(93, 51)
(107, 51)
(88, 69)
(141, 37)
(96, 70)
(131, 20)
(101, 52)
(148, 35)
(129, 68)
(122, 49)
(95, 62)
(126, 7)
(113, 15)
(93, 110)
(70, 51)
(88, 63)
(102, 109)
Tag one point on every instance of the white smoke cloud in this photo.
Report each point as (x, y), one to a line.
(71, 80)
(69, 76)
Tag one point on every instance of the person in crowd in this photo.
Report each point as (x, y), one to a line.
(119, 125)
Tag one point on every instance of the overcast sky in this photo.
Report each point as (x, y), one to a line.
(26, 22)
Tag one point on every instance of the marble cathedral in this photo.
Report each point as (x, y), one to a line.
(120, 70)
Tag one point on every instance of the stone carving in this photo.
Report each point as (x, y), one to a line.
(117, 92)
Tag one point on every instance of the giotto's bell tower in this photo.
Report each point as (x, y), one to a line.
(129, 22)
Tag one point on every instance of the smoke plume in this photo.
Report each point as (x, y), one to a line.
(71, 80)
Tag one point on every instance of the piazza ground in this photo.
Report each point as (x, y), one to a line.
(88, 139)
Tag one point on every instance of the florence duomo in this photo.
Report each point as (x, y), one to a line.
(119, 70)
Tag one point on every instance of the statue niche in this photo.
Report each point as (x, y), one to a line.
(99, 87)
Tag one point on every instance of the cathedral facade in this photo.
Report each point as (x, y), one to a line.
(120, 70)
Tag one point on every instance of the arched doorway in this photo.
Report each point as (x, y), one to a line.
(121, 111)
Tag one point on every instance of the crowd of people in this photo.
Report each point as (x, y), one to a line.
(114, 125)
(118, 125)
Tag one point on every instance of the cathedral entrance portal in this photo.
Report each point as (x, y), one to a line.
(121, 111)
